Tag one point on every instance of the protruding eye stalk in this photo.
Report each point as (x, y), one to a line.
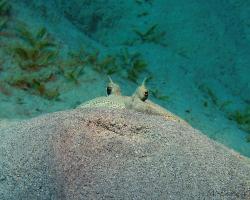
(113, 88)
(141, 92)
(109, 90)
(146, 94)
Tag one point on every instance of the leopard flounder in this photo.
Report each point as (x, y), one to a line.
(138, 101)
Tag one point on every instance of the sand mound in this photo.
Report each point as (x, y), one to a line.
(116, 154)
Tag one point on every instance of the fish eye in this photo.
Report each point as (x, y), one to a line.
(145, 96)
(109, 90)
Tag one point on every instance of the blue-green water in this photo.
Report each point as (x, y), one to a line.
(57, 54)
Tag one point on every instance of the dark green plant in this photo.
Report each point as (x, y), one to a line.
(36, 51)
(73, 75)
(224, 104)
(107, 65)
(132, 65)
(137, 68)
(52, 94)
(38, 86)
(127, 59)
(205, 104)
(4, 13)
(34, 83)
(92, 58)
(41, 89)
(183, 53)
(209, 93)
(4, 89)
(144, 1)
(242, 118)
(157, 94)
(143, 14)
(248, 138)
(151, 34)
(74, 67)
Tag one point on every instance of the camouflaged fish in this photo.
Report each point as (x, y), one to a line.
(138, 101)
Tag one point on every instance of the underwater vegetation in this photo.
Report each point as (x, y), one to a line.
(242, 118)
(4, 13)
(151, 35)
(212, 99)
(129, 66)
(37, 57)
(34, 83)
(39, 64)
(74, 66)
(209, 94)
(157, 94)
(106, 65)
(136, 68)
(36, 50)
(133, 64)
(144, 1)
(33, 52)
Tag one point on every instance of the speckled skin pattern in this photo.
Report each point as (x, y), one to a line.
(134, 102)
(100, 153)
(111, 101)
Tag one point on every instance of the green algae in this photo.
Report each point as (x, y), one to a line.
(242, 118)
(5, 9)
(35, 50)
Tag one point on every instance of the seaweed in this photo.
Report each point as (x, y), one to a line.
(151, 35)
(132, 64)
(38, 86)
(248, 138)
(143, 14)
(242, 118)
(41, 89)
(157, 94)
(224, 104)
(210, 94)
(74, 66)
(128, 58)
(144, 1)
(4, 13)
(205, 104)
(183, 53)
(107, 65)
(34, 83)
(52, 94)
(37, 49)
(137, 67)
(3, 89)
(93, 57)
(74, 74)
(213, 98)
